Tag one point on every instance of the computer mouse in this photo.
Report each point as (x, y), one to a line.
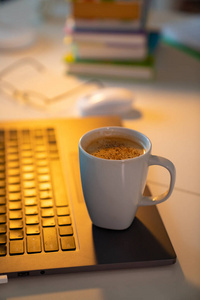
(108, 100)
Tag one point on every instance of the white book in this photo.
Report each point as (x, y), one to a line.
(111, 70)
(134, 39)
(102, 52)
(95, 24)
(117, 71)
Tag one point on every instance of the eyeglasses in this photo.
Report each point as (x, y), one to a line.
(33, 97)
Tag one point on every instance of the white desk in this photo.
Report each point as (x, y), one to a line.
(167, 110)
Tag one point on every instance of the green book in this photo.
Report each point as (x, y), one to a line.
(112, 68)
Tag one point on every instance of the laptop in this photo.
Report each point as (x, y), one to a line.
(44, 223)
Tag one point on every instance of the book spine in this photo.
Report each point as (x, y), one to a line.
(116, 71)
(97, 24)
(99, 38)
(107, 10)
(109, 52)
(103, 30)
(147, 62)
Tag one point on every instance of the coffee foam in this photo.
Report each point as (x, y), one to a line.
(115, 148)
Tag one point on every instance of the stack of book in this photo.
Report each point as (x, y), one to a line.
(108, 38)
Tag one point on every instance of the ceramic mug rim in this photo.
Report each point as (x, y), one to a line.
(140, 137)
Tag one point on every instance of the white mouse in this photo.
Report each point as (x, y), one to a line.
(106, 101)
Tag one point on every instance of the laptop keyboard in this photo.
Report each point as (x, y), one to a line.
(34, 209)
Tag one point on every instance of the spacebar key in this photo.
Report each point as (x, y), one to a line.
(58, 184)
(50, 239)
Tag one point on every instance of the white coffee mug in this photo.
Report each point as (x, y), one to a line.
(113, 189)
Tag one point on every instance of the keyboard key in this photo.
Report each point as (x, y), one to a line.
(2, 200)
(30, 201)
(53, 148)
(3, 228)
(25, 133)
(67, 243)
(50, 239)
(41, 155)
(2, 192)
(30, 192)
(32, 229)
(16, 247)
(29, 184)
(26, 146)
(2, 168)
(31, 210)
(64, 220)
(65, 230)
(2, 175)
(26, 153)
(2, 183)
(45, 186)
(39, 141)
(3, 239)
(50, 131)
(11, 144)
(58, 184)
(48, 222)
(3, 250)
(2, 153)
(14, 196)
(2, 160)
(3, 219)
(26, 140)
(12, 135)
(47, 212)
(32, 220)
(15, 205)
(2, 209)
(43, 170)
(13, 164)
(16, 224)
(28, 168)
(63, 211)
(14, 188)
(13, 150)
(14, 180)
(16, 234)
(27, 161)
(54, 155)
(14, 172)
(46, 194)
(33, 244)
(44, 178)
(13, 157)
(28, 176)
(40, 148)
(15, 214)
(46, 203)
(42, 163)
(38, 132)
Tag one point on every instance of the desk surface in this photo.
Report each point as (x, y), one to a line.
(167, 110)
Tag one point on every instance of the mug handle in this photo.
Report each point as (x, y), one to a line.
(161, 161)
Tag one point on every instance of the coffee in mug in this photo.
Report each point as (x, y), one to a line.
(116, 148)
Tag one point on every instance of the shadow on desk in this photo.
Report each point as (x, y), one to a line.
(134, 114)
